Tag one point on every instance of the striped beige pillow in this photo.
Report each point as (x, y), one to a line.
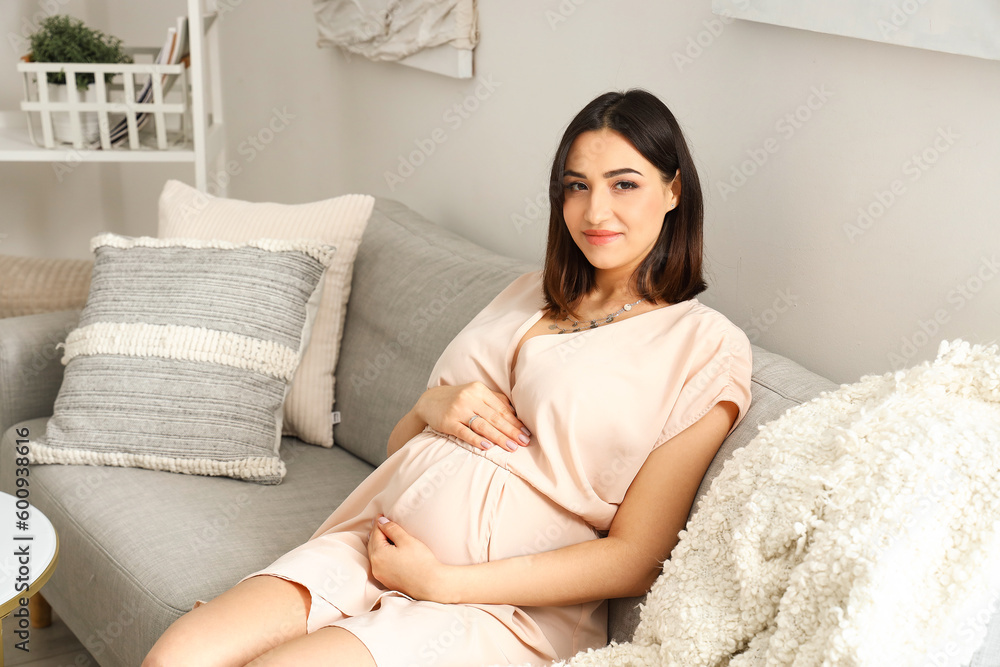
(189, 213)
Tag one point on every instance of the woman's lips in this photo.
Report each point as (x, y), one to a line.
(601, 238)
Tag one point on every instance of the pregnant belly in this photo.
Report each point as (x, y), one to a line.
(469, 509)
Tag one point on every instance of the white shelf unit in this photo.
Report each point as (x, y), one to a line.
(205, 145)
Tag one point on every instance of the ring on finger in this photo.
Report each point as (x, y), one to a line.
(474, 418)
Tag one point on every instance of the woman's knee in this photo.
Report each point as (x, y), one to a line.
(247, 620)
(179, 645)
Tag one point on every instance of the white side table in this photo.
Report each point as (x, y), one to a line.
(28, 555)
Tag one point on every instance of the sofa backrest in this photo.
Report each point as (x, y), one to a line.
(415, 286)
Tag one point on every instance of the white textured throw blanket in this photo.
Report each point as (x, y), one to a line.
(860, 528)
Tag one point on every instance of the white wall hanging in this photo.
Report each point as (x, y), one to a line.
(435, 35)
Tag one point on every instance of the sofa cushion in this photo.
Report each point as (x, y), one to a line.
(137, 547)
(184, 354)
(415, 286)
(777, 385)
(185, 212)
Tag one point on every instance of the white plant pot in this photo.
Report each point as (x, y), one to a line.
(62, 126)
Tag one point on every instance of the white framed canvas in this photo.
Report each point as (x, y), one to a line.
(965, 27)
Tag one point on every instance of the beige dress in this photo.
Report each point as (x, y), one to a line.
(597, 402)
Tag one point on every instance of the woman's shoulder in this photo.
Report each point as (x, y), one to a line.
(529, 280)
(525, 285)
(524, 292)
(712, 326)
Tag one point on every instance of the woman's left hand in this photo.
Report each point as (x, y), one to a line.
(403, 563)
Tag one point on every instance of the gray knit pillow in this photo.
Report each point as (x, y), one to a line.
(184, 354)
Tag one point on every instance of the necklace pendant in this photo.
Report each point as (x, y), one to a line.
(627, 306)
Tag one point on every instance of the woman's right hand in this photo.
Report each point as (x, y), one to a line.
(448, 409)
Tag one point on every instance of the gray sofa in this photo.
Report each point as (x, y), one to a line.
(137, 547)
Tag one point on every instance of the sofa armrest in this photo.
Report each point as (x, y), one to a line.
(30, 285)
(31, 369)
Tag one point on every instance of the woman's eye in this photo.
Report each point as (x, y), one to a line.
(627, 185)
(572, 186)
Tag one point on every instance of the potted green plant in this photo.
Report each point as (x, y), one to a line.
(64, 39)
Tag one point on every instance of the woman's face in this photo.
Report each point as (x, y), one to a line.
(615, 200)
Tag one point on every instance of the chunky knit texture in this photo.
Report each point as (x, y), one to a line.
(855, 529)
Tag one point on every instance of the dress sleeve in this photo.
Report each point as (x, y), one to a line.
(721, 372)
(476, 352)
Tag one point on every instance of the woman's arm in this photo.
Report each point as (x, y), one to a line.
(405, 429)
(625, 563)
(448, 408)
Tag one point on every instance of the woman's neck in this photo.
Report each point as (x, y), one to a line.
(611, 287)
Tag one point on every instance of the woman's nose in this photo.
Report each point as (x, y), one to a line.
(598, 206)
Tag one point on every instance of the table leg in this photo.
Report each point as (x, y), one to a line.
(40, 611)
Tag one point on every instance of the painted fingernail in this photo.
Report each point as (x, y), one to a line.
(383, 520)
(511, 445)
(487, 444)
(524, 439)
(526, 431)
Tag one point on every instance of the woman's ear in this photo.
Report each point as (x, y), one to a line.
(675, 189)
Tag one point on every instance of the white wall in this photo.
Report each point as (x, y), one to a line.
(781, 260)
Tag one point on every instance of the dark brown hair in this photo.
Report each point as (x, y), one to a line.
(671, 272)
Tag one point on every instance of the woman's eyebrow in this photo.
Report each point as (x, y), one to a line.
(607, 174)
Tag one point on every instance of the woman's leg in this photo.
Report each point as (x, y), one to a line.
(246, 621)
(326, 646)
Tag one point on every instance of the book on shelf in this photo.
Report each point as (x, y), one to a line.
(175, 49)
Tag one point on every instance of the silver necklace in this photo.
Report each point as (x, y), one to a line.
(593, 324)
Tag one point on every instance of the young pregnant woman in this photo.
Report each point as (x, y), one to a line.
(551, 462)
